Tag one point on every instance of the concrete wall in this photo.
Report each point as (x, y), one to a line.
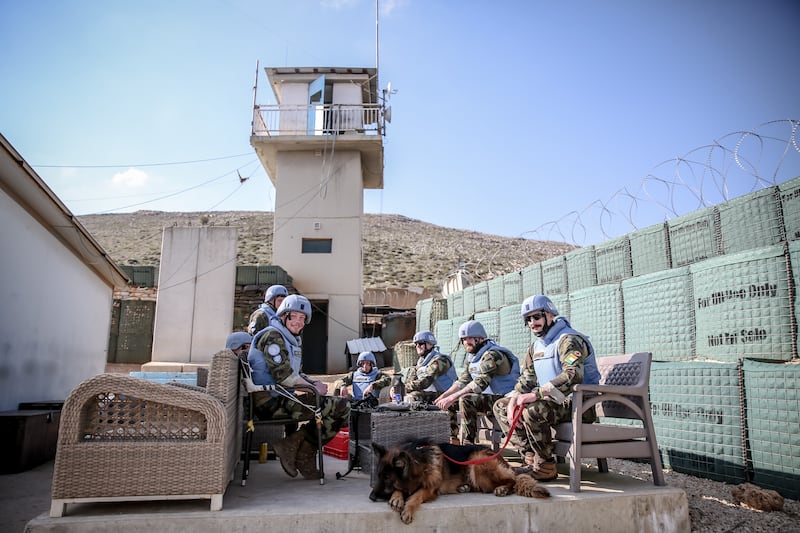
(323, 198)
(56, 313)
(194, 309)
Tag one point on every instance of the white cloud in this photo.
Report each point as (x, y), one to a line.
(131, 178)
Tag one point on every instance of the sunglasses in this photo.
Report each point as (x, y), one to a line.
(534, 316)
(422, 343)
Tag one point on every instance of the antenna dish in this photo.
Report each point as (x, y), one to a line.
(387, 114)
(389, 87)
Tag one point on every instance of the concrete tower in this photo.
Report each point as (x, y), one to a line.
(322, 145)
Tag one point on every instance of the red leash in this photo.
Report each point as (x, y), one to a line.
(514, 422)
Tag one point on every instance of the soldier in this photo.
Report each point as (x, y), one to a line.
(366, 379)
(433, 374)
(275, 357)
(261, 317)
(491, 372)
(239, 343)
(558, 359)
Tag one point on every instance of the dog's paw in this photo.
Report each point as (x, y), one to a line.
(406, 516)
(503, 490)
(397, 503)
(461, 489)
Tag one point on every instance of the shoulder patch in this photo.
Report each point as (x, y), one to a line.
(572, 357)
(273, 350)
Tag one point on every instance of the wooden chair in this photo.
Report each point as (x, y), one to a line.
(250, 424)
(622, 393)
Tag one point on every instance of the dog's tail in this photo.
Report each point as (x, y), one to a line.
(525, 485)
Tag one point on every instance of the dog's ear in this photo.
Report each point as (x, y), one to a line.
(402, 462)
(380, 451)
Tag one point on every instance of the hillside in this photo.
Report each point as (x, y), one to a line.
(398, 251)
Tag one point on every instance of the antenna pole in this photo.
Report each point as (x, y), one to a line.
(377, 63)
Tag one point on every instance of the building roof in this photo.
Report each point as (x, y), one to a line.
(368, 344)
(28, 189)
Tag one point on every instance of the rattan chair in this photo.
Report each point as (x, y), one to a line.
(250, 423)
(622, 393)
(128, 439)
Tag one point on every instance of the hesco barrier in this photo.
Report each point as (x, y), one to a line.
(491, 323)
(698, 418)
(658, 317)
(512, 288)
(531, 280)
(741, 306)
(597, 312)
(554, 276)
(405, 356)
(650, 250)
(469, 300)
(481, 292)
(794, 261)
(455, 304)
(613, 260)
(561, 301)
(438, 311)
(581, 268)
(694, 237)
(750, 221)
(424, 313)
(790, 207)
(496, 294)
(772, 407)
(514, 334)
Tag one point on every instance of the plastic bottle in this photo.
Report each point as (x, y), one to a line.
(399, 388)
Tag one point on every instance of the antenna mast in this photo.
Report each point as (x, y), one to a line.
(377, 63)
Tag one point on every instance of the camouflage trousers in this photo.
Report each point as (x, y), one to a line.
(421, 396)
(470, 405)
(335, 413)
(533, 431)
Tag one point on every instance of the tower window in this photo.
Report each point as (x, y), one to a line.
(317, 246)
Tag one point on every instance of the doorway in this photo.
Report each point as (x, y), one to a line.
(315, 340)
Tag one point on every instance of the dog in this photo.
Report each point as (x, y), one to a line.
(418, 471)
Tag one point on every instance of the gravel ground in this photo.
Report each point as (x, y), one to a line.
(711, 506)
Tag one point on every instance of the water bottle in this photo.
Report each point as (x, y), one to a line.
(399, 388)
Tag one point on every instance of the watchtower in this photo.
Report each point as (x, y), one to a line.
(322, 145)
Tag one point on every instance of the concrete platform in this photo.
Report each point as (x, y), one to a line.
(272, 501)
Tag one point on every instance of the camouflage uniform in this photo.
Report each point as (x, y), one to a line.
(260, 318)
(381, 380)
(541, 415)
(440, 365)
(335, 411)
(492, 363)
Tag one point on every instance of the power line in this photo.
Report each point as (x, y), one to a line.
(146, 164)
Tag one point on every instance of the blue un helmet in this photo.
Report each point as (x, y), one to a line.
(472, 328)
(425, 336)
(274, 291)
(366, 356)
(237, 339)
(296, 303)
(537, 302)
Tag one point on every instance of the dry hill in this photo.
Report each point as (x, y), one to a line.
(398, 251)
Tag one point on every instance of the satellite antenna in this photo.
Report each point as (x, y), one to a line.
(387, 114)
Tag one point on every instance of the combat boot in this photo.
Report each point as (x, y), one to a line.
(544, 470)
(286, 449)
(307, 461)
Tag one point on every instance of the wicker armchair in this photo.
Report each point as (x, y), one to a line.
(127, 439)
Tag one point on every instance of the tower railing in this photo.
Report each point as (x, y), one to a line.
(317, 119)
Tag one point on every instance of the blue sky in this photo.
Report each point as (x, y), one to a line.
(557, 120)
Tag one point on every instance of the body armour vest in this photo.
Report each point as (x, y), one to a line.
(548, 366)
(361, 381)
(442, 382)
(499, 384)
(258, 359)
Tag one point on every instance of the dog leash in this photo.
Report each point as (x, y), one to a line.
(514, 422)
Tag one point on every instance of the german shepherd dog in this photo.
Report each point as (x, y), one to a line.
(417, 471)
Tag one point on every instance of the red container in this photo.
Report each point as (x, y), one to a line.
(337, 447)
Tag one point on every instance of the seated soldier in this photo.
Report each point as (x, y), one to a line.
(433, 374)
(366, 380)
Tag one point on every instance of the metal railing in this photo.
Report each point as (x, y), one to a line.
(314, 119)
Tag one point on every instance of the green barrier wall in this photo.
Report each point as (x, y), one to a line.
(794, 261)
(469, 300)
(554, 276)
(531, 280)
(650, 250)
(481, 297)
(581, 268)
(750, 221)
(597, 312)
(491, 323)
(512, 288)
(613, 260)
(514, 334)
(694, 237)
(657, 310)
(697, 414)
(772, 398)
(455, 304)
(424, 308)
(438, 311)
(790, 207)
(497, 297)
(741, 306)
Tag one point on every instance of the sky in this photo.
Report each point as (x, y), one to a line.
(574, 121)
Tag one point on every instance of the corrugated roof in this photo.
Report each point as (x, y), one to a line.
(367, 344)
